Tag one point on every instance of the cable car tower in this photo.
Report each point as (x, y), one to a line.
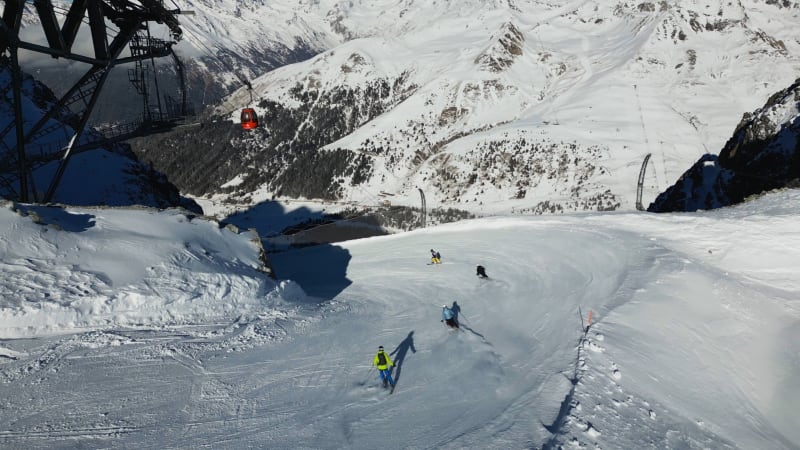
(640, 184)
(114, 25)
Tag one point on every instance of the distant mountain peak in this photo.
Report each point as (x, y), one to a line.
(493, 105)
(502, 53)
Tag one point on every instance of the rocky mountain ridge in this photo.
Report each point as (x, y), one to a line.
(763, 154)
(520, 106)
(536, 108)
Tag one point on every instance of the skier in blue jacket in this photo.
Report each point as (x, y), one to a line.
(449, 317)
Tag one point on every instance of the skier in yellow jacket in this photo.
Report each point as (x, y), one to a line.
(383, 362)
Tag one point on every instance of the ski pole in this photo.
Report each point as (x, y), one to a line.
(368, 376)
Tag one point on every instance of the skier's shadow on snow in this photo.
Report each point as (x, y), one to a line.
(456, 308)
(400, 352)
(456, 311)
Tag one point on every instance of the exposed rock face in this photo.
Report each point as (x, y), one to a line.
(763, 154)
(473, 101)
(507, 47)
(286, 157)
(479, 102)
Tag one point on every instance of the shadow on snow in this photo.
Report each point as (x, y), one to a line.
(71, 222)
(320, 270)
(400, 352)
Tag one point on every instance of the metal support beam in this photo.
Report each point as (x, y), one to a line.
(59, 105)
(49, 22)
(72, 22)
(12, 18)
(16, 81)
(120, 41)
(98, 26)
(62, 166)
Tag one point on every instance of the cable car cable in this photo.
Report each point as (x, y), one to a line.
(248, 116)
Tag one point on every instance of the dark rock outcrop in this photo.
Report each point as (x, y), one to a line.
(763, 154)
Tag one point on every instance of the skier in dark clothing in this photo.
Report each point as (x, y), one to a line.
(436, 258)
(482, 272)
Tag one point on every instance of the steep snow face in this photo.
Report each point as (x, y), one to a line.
(73, 269)
(490, 106)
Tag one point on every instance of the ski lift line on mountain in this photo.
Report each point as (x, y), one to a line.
(248, 116)
(370, 196)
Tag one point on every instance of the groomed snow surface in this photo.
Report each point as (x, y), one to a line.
(142, 329)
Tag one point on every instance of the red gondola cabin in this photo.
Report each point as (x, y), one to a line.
(249, 119)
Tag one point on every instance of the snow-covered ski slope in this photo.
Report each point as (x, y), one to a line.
(693, 344)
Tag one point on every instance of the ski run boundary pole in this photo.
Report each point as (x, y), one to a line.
(588, 322)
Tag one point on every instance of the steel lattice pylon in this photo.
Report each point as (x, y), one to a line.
(113, 25)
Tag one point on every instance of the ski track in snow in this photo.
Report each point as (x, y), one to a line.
(600, 402)
(521, 372)
(49, 363)
(191, 354)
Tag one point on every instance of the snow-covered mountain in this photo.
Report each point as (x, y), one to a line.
(763, 154)
(140, 329)
(487, 106)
